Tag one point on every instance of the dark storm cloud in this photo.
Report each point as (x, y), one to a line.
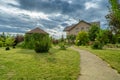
(50, 6)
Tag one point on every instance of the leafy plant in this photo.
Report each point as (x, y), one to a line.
(62, 46)
(43, 44)
(1, 44)
(38, 42)
(114, 15)
(93, 32)
(97, 45)
(82, 38)
(7, 48)
(9, 41)
(71, 39)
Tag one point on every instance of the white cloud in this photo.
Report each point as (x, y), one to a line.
(89, 5)
(56, 32)
(6, 2)
(16, 11)
(71, 21)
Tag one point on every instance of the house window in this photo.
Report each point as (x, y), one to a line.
(77, 28)
(82, 28)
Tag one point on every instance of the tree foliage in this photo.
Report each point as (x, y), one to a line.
(94, 30)
(114, 16)
(103, 36)
(38, 42)
(82, 38)
(6, 40)
(71, 39)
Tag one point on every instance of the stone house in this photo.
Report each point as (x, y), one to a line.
(80, 26)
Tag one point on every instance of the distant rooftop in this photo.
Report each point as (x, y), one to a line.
(37, 30)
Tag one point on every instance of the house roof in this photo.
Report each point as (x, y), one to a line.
(68, 28)
(37, 30)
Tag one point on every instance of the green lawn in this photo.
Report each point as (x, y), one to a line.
(23, 64)
(112, 56)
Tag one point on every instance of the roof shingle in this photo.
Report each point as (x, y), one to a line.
(37, 30)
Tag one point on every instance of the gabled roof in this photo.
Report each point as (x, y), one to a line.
(37, 30)
(68, 28)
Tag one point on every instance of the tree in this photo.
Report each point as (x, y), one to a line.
(93, 32)
(103, 36)
(114, 16)
(9, 40)
(71, 39)
(82, 38)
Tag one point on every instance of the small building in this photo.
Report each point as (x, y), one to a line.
(80, 26)
(37, 30)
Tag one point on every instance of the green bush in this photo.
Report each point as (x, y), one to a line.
(62, 46)
(43, 44)
(82, 38)
(38, 42)
(93, 32)
(9, 41)
(112, 46)
(1, 44)
(21, 44)
(29, 41)
(97, 45)
(7, 48)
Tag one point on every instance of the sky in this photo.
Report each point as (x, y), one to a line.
(20, 16)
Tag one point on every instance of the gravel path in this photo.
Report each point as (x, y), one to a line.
(94, 68)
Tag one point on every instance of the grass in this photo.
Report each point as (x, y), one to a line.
(112, 56)
(23, 64)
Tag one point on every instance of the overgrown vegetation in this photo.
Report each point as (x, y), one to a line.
(71, 39)
(38, 42)
(62, 46)
(25, 64)
(94, 30)
(97, 45)
(114, 16)
(6, 41)
(82, 38)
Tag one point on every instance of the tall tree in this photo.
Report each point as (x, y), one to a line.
(93, 32)
(114, 16)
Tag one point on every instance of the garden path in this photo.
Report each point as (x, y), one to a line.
(94, 68)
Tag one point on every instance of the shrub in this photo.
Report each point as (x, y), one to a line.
(9, 41)
(93, 32)
(97, 45)
(71, 39)
(55, 42)
(103, 36)
(7, 48)
(62, 46)
(1, 44)
(82, 38)
(29, 41)
(21, 44)
(43, 44)
(38, 42)
(112, 46)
